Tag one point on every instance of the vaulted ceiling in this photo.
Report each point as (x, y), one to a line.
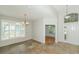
(35, 11)
(69, 8)
(32, 11)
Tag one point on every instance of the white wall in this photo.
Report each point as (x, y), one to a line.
(20, 39)
(39, 27)
(38, 31)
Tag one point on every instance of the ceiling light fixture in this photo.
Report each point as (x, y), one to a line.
(26, 19)
(66, 9)
(66, 13)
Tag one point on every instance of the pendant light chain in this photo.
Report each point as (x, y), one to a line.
(66, 7)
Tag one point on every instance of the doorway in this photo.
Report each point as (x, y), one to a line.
(49, 34)
(71, 28)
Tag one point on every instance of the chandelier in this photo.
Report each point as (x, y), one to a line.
(66, 16)
(67, 10)
(26, 19)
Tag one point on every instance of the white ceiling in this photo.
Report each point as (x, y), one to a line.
(34, 11)
(71, 8)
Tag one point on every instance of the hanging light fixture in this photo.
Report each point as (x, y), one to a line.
(66, 17)
(26, 19)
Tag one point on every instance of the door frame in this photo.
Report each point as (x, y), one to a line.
(55, 31)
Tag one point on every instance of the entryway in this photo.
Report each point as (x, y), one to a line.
(49, 34)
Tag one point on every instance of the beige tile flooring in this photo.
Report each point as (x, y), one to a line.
(33, 47)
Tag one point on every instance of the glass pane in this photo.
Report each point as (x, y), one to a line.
(4, 31)
(6, 27)
(20, 30)
(12, 30)
(12, 34)
(72, 17)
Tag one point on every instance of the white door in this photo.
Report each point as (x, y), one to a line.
(71, 33)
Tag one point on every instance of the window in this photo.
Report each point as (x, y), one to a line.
(20, 29)
(72, 17)
(12, 29)
(5, 30)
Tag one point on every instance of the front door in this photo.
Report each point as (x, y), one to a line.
(71, 32)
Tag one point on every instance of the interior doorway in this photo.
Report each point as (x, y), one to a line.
(50, 34)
